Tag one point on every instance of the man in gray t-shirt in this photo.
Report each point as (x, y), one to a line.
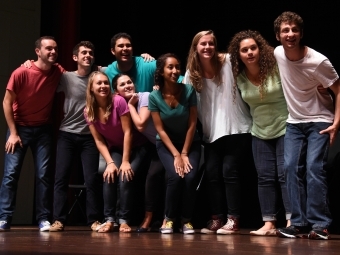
(75, 140)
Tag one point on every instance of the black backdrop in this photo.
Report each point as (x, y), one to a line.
(159, 27)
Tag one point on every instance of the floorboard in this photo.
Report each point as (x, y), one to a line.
(81, 240)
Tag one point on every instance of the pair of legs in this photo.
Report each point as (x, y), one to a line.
(126, 190)
(39, 140)
(269, 162)
(224, 157)
(69, 146)
(180, 192)
(305, 158)
(153, 186)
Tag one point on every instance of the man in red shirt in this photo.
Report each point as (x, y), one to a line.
(27, 106)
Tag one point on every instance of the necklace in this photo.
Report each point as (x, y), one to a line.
(171, 96)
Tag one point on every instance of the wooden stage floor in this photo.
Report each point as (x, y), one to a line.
(81, 240)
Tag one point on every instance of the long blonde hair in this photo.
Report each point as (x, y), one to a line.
(194, 64)
(91, 102)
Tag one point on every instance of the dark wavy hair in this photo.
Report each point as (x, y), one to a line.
(115, 80)
(290, 17)
(159, 79)
(267, 61)
(86, 44)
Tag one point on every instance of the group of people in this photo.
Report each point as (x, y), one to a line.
(136, 110)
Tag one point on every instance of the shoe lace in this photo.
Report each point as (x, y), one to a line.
(188, 225)
(169, 224)
(230, 224)
(213, 223)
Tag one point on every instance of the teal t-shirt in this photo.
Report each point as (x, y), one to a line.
(142, 74)
(269, 114)
(175, 120)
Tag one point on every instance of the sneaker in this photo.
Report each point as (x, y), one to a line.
(291, 232)
(187, 228)
(57, 226)
(95, 226)
(4, 225)
(212, 226)
(231, 227)
(44, 225)
(319, 234)
(168, 229)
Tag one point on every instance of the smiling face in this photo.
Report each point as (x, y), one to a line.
(122, 50)
(100, 86)
(172, 70)
(85, 57)
(289, 35)
(249, 52)
(125, 87)
(206, 47)
(48, 51)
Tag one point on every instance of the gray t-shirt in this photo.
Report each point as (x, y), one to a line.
(74, 88)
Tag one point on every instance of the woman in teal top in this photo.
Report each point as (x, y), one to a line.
(174, 112)
(257, 77)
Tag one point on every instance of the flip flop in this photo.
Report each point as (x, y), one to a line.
(106, 227)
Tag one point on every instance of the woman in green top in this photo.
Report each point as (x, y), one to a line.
(174, 113)
(256, 76)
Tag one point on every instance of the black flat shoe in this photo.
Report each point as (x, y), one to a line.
(142, 230)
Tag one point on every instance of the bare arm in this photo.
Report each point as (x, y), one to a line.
(188, 138)
(333, 129)
(178, 162)
(111, 168)
(14, 137)
(125, 168)
(139, 119)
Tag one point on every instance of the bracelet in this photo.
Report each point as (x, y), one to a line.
(184, 153)
(109, 163)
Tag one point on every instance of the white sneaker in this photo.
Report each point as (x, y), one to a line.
(44, 225)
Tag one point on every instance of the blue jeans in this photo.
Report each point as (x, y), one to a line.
(69, 146)
(126, 188)
(269, 160)
(305, 157)
(223, 159)
(40, 142)
(180, 190)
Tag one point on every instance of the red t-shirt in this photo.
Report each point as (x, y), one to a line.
(34, 89)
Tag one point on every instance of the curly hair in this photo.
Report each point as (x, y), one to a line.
(91, 102)
(160, 63)
(267, 61)
(194, 64)
(290, 17)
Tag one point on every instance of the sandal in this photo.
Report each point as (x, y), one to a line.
(95, 226)
(106, 227)
(124, 228)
